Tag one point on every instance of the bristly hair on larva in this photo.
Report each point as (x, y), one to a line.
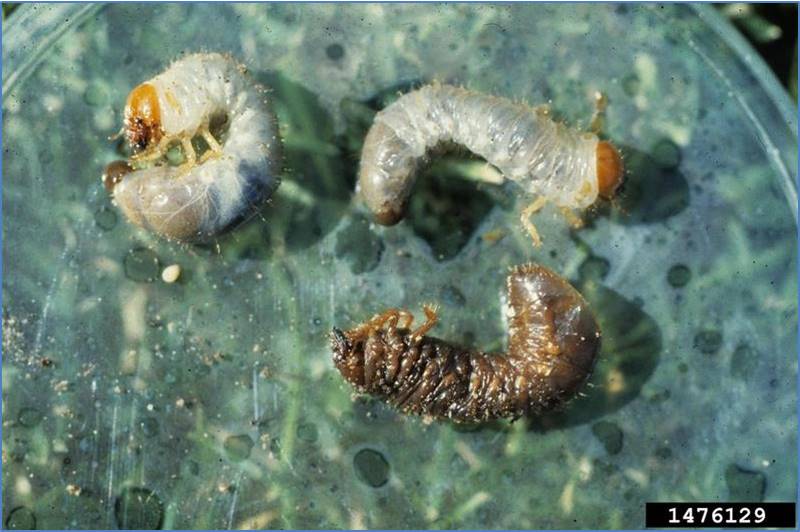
(203, 100)
(551, 162)
(553, 341)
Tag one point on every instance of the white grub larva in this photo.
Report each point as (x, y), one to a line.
(552, 163)
(201, 98)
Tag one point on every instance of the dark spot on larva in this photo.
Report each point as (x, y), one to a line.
(105, 218)
(371, 467)
(609, 434)
(683, 367)
(744, 361)
(29, 417)
(708, 341)
(359, 246)
(307, 432)
(141, 265)
(138, 508)
(666, 153)
(594, 268)
(334, 51)
(238, 447)
(21, 518)
(745, 485)
(679, 275)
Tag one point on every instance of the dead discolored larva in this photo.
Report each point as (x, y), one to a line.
(552, 163)
(553, 340)
(200, 99)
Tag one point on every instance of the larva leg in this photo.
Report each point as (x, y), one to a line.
(380, 320)
(214, 149)
(431, 317)
(374, 324)
(408, 317)
(600, 103)
(151, 154)
(572, 218)
(189, 155)
(529, 211)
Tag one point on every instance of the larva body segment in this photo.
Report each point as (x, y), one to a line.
(240, 169)
(546, 158)
(553, 341)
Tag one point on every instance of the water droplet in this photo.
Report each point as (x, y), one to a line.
(745, 485)
(631, 84)
(679, 275)
(744, 361)
(371, 467)
(334, 52)
(191, 467)
(150, 427)
(105, 218)
(29, 417)
(21, 518)
(237, 448)
(708, 341)
(141, 265)
(95, 95)
(138, 508)
(307, 432)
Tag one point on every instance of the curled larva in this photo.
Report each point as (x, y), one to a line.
(553, 340)
(550, 161)
(201, 101)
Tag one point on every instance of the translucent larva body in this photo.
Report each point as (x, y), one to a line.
(240, 168)
(560, 165)
(553, 340)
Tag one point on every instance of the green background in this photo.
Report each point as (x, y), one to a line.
(213, 402)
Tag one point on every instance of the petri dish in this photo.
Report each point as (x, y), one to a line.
(212, 402)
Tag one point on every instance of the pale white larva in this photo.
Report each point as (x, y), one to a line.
(550, 161)
(206, 194)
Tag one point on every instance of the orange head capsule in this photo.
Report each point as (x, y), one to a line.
(143, 117)
(609, 169)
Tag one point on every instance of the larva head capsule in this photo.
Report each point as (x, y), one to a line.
(143, 117)
(348, 357)
(610, 169)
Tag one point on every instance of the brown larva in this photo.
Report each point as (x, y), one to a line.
(553, 340)
(552, 163)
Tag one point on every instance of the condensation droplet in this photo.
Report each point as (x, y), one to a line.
(371, 467)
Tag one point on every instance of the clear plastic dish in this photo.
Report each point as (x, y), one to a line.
(213, 402)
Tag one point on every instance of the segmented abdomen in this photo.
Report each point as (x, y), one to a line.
(552, 345)
(521, 141)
